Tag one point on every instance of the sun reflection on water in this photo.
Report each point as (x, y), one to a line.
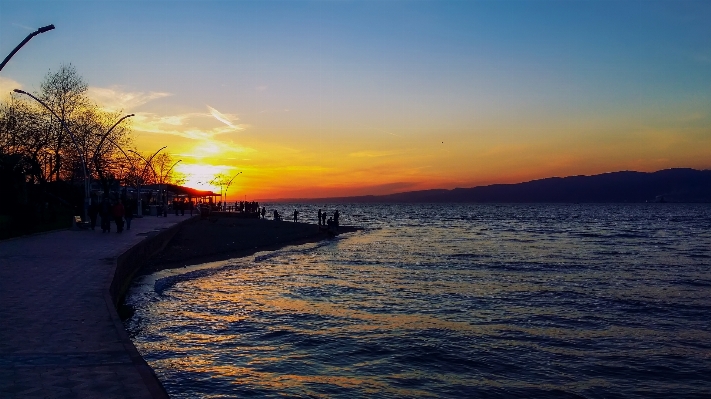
(447, 308)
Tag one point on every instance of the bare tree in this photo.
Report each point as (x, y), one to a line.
(103, 143)
(164, 165)
(24, 131)
(36, 149)
(65, 92)
(29, 129)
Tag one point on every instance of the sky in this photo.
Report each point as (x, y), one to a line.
(339, 98)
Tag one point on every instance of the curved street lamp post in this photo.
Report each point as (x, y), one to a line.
(130, 161)
(165, 187)
(165, 176)
(106, 137)
(227, 187)
(27, 39)
(155, 175)
(81, 154)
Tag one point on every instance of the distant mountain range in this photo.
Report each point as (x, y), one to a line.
(669, 185)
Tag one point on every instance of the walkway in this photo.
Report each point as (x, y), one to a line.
(59, 334)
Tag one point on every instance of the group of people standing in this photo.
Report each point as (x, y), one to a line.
(247, 207)
(109, 210)
(331, 222)
(323, 218)
(180, 205)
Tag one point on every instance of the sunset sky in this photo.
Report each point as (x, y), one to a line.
(338, 98)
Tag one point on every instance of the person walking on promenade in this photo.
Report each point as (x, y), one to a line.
(93, 212)
(181, 205)
(105, 213)
(264, 212)
(175, 206)
(296, 215)
(119, 212)
(319, 216)
(130, 208)
(191, 206)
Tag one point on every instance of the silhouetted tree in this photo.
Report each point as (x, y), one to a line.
(36, 150)
(65, 92)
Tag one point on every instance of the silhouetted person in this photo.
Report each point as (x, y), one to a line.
(323, 216)
(319, 217)
(264, 212)
(93, 212)
(181, 205)
(336, 215)
(296, 215)
(105, 213)
(118, 212)
(276, 215)
(175, 207)
(130, 209)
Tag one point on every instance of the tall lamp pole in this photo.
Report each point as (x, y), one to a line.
(130, 161)
(81, 154)
(165, 176)
(106, 135)
(227, 187)
(155, 175)
(101, 143)
(165, 192)
(27, 39)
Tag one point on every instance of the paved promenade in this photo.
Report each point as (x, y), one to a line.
(59, 334)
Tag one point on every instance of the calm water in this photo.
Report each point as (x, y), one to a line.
(453, 301)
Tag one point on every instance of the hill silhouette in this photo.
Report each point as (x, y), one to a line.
(669, 185)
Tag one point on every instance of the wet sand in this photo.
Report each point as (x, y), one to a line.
(224, 236)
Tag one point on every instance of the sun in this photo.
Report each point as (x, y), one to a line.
(199, 176)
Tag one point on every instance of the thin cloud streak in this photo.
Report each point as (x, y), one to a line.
(114, 98)
(222, 118)
(23, 26)
(171, 125)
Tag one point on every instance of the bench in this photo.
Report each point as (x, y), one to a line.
(79, 224)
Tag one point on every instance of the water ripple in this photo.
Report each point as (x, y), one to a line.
(492, 301)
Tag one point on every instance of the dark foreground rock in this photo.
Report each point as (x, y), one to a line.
(223, 237)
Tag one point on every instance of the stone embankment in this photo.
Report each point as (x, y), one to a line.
(225, 236)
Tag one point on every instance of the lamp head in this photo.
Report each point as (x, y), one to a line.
(45, 28)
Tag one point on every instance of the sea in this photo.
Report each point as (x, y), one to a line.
(445, 301)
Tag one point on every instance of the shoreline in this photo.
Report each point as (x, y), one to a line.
(223, 237)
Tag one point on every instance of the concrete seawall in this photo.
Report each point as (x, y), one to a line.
(131, 261)
(127, 265)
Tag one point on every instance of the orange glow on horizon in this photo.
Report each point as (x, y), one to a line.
(281, 163)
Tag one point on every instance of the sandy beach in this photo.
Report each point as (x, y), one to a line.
(225, 236)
